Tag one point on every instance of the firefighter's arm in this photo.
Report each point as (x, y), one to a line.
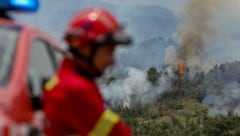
(90, 117)
(110, 124)
(121, 129)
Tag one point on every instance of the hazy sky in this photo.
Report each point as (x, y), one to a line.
(52, 11)
(171, 4)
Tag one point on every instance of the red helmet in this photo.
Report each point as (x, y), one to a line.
(95, 25)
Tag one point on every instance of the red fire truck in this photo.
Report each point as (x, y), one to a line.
(27, 59)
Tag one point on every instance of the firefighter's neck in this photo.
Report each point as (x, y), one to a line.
(84, 62)
(87, 69)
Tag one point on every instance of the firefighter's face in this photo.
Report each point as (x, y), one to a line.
(104, 57)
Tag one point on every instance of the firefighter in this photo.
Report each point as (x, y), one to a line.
(72, 101)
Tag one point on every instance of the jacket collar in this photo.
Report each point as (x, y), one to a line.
(70, 65)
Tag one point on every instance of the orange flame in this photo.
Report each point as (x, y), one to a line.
(181, 68)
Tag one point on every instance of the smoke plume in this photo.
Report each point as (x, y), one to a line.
(207, 36)
(197, 26)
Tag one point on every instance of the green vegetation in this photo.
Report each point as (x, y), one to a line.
(181, 117)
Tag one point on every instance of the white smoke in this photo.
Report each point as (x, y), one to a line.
(236, 111)
(223, 101)
(131, 88)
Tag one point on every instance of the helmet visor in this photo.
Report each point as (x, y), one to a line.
(119, 36)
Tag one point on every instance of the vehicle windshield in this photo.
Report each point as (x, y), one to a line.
(8, 38)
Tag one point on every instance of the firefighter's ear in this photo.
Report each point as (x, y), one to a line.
(85, 50)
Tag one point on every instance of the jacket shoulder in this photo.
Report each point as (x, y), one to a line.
(76, 82)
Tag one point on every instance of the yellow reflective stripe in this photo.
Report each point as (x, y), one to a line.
(51, 83)
(105, 124)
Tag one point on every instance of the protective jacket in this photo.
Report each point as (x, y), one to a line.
(73, 105)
